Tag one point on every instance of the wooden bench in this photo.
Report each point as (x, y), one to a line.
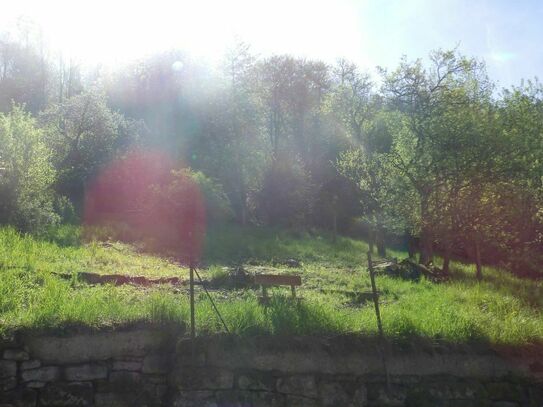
(268, 280)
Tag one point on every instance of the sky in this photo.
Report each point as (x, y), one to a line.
(507, 34)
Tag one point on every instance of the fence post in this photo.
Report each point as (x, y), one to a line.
(379, 324)
(192, 316)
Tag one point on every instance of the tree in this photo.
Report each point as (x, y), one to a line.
(428, 99)
(26, 173)
(85, 134)
(243, 128)
(357, 107)
(25, 71)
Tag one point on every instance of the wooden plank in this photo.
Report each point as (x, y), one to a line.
(276, 279)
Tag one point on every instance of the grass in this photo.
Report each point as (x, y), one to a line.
(61, 250)
(502, 309)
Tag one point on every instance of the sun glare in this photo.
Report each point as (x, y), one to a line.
(113, 32)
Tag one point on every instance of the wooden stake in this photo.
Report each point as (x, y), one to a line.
(192, 316)
(378, 316)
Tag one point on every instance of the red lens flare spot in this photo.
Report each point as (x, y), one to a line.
(142, 197)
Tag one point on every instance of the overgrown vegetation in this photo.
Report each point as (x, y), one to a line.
(263, 161)
(501, 309)
(435, 153)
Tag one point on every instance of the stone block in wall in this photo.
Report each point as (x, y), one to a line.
(535, 394)
(455, 390)
(378, 395)
(201, 378)
(333, 394)
(15, 354)
(360, 396)
(156, 363)
(452, 403)
(130, 365)
(299, 401)
(113, 399)
(194, 398)
(67, 395)
(119, 399)
(267, 399)
(156, 378)
(42, 374)
(446, 391)
(161, 390)
(189, 354)
(35, 385)
(89, 371)
(256, 381)
(505, 391)
(268, 354)
(19, 398)
(8, 383)
(29, 398)
(30, 364)
(244, 398)
(303, 385)
(144, 395)
(504, 404)
(98, 346)
(124, 379)
(8, 368)
(154, 393)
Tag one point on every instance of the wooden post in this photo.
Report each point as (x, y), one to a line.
(375, 297)
(478, 265)
(192, 316)
(379, 324)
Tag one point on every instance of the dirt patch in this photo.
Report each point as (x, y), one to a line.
(119, 279)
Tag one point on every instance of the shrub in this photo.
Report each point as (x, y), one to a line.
(218, 208)
(26, 173)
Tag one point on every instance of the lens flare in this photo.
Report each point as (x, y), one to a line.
(142, 197)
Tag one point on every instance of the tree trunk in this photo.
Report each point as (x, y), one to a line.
(380, 241)
(478, 265)
(371, 240)
(426, 244)
(411, 245)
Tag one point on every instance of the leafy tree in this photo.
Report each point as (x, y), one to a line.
(26, 173)
(429, 99)
(26, 76)
(85, 134)
(357, 107)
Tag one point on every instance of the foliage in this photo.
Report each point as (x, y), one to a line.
(26, 173)
(85, 135)
(434, 154)
(285, 197)
(217, 204)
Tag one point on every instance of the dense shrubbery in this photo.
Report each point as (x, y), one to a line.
(26, 173)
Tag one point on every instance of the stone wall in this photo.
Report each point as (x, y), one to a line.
(157, 367)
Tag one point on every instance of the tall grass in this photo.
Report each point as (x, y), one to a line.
(500, 309)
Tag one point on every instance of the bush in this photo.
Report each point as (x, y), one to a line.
(218, 208)
(26, 173)
(140, 197)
